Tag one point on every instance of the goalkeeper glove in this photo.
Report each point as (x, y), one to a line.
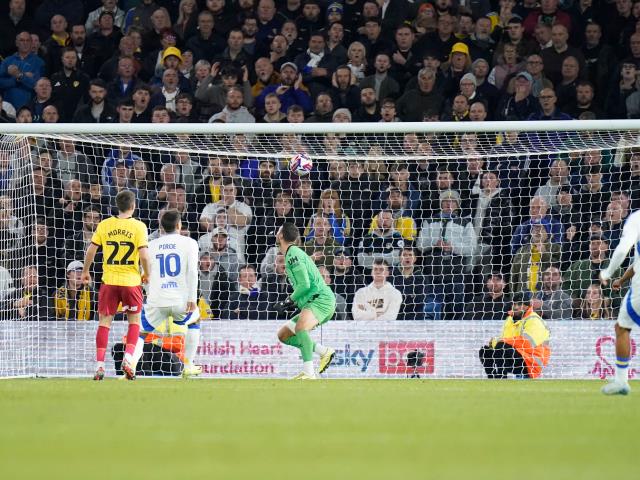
(285, 306)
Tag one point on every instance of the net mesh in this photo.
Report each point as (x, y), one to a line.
(463, 221)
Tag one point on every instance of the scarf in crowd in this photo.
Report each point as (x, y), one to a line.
(314, 58)
(83, 304)
(170, 99)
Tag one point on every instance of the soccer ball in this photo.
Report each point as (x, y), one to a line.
(300, 164)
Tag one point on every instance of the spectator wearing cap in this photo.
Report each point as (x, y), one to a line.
(97, 110)
(171, 60)
(316, 65)
(206, 45)
(522, 348)
(448, 243)
(289, 90)
(534, 66)
(458, 64)
(584, 272)
(73, 300)
(105, 39)
(384, 85)
(413, 104)
(492, 302)
(412, 283)
(551, 301)
(20, 72)
(534, 258)
(521, 104)
(111, 6)
(222, 254)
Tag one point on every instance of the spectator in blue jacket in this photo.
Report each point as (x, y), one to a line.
(289, 90)
(538, 215)
(20, 72)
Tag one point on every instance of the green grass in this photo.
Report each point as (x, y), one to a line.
(231, 429)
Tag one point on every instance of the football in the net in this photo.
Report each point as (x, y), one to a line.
(300, 164)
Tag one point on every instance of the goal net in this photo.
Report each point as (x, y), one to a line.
(426, 232)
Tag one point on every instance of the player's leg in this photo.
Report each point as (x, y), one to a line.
(107, 307)
(192, 339)
(306, 322)
(131, 298)
(627, 318)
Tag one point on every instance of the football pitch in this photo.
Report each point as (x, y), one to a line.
(260, 429)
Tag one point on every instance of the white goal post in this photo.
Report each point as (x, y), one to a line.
(464, 215)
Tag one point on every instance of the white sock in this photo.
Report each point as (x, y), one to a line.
(99, 365)
(137, 352)
(129, 358)
(191, 344)
(320, 349)
(307, 367)
(622, 374)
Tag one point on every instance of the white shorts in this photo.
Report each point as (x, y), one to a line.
(152, 317)
(629, 316)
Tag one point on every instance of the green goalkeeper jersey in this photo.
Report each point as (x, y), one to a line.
(304, 277)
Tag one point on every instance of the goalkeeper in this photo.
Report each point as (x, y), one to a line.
(311, 296)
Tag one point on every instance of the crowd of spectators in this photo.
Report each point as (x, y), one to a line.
(414, 238)
(318, 60)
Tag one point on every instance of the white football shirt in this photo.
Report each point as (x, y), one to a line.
(174, 271)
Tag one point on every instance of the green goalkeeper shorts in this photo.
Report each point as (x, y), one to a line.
(323, 307)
